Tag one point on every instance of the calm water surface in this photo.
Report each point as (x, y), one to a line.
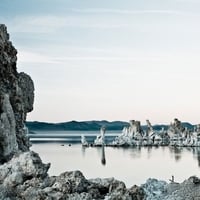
(131, 165)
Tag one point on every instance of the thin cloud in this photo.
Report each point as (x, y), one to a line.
(36, 24)
(104, 58)
(126, 12)
(51, 23)
(35, 58)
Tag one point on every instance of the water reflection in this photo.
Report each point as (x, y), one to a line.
(103, 156)
(83, 150)
(131, 165)
(149, 150)
(177, 152)
(100, 152)
(196, 153)
(138, 152)
(134, 152)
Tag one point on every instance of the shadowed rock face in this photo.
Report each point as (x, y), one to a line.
(16, 99)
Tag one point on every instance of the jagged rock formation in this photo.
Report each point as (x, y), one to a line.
(176, 128)
(25, 177)
(149, 130)
(135, 128)
(16, 99)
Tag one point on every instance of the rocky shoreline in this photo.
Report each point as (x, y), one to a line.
(23, 175)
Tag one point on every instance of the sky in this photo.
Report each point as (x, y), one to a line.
(108, 59)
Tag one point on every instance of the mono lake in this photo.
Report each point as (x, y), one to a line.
(130, 165)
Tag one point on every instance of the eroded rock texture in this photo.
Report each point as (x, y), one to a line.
(16, 99)
(156, 190)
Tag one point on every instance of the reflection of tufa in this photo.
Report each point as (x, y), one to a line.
(103, 157)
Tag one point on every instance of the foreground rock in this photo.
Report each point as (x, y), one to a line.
(16, 99)
(156, 190)
(25, 177)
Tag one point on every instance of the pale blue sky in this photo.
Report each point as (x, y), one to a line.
(109, 59)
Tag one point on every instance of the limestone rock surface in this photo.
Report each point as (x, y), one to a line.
(189, 189)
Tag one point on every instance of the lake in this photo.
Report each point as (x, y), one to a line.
(130, 165)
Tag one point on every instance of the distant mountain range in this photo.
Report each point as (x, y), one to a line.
(88, 125)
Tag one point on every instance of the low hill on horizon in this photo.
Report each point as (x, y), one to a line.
(92, 125)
